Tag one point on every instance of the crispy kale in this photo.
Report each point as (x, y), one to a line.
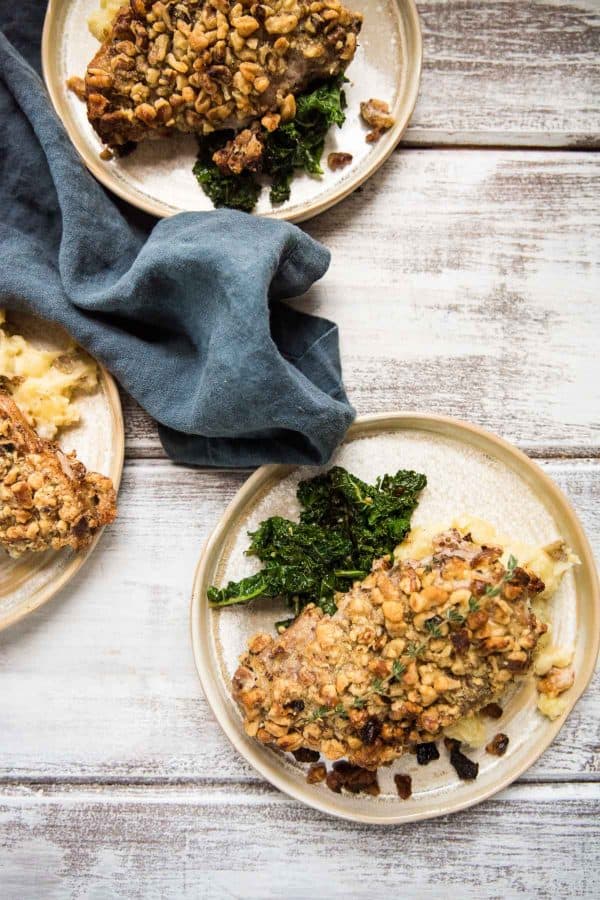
(344, 525)
(299, 144)
(296, 145)
(234, 191)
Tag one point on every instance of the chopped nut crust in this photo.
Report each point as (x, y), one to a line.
(384, 674)
(47, 499)
(194, 66)
(376, 114)
(243, 153)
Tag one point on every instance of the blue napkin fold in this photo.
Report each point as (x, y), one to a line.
(185, 312)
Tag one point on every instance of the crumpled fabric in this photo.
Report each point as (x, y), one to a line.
(186, 312)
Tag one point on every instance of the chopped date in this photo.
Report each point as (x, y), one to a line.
(304, 755)
(403, 786)
(427, 753)
(497, 746)
(466, 769)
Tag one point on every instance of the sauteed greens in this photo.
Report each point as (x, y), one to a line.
(294, 146)
(344, 525)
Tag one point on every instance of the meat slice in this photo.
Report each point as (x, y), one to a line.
(204, 65)
(47, 499)
(385, 672)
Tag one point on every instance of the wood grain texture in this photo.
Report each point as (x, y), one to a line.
(100, 684)
(253, 843)
(509, 73)
(481, 276)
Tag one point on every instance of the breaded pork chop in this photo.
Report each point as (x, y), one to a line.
(47, 499)
(203, 65)
(410, 650)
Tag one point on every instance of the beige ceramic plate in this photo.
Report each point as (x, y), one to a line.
(158, 177)
(469, 471)
(31, 580)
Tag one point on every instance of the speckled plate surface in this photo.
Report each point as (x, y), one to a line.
(469, 472)
(158, 177)
(34, 578)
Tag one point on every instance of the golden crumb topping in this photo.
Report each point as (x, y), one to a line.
(411, 649)
(198, 66)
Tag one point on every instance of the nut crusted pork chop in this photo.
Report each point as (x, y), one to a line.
(47, 499)
(410, 650)
(202, 65)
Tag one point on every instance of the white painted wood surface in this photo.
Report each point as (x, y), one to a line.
(465, 281)
(509, 73)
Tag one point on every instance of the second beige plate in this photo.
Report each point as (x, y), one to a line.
(34, 578)
(469, 472)
(157, 177)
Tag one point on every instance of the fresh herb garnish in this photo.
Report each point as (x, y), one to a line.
(454, 616)
(322, 712)
(511, 565)
(433, 626)
(398, 669)
(296, 145)
(344, 525)
(377, 685)
(473, 604)
(414, 650)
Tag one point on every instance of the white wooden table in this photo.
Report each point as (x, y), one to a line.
(466, 281)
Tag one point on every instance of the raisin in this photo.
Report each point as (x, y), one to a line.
(466, 769)
(492, 711)
(427, 753)
(403, 786)
(305, 755)
(370, 731)
(296, 706)
(498, 745)
(316, 774)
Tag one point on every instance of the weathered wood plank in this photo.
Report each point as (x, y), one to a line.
(468, 285)
(100, 684)
(531, 841)
(509, 73)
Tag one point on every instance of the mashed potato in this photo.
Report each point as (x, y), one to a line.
(100, 21)
(549, 563)
(43, 382)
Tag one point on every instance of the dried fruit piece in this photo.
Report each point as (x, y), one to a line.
(492, 711)
(403, 786)
(497, 746)
(466, 769)
(427, 753)
(304, 755)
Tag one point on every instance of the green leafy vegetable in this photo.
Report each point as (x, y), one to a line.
(233, 191)
(296, 145)
(344, 525)
(299, 144)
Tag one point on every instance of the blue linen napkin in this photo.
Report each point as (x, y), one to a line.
(185, 312)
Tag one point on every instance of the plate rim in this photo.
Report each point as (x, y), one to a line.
(408, 13)
(50, 590)
(362, 426)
